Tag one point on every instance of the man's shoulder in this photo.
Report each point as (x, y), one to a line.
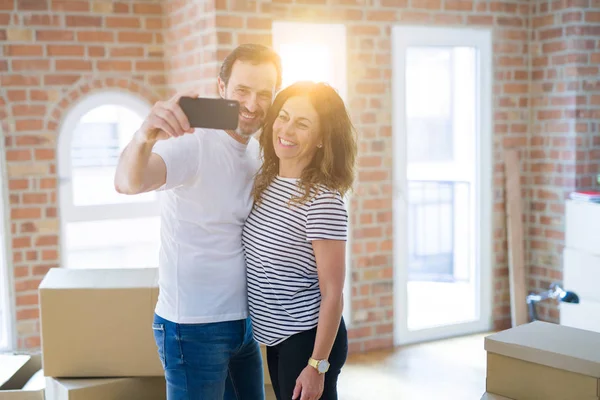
(254, 147)
(253, 144)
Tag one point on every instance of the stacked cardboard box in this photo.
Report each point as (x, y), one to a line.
(543, 360)
(21, 378)
(97, 323)
(96, 332)
(105, 388)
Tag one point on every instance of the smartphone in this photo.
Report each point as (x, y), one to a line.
(211, 113)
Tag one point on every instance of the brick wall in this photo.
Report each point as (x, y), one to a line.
(53, 53)
(369, 93)
(190, 46)
(564, 144)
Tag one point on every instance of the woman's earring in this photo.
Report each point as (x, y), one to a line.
(319, 146)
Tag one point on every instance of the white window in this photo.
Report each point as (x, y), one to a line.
(100, 227)
(316, 52)
(6, 282)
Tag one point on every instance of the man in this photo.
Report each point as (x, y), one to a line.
(201, 324)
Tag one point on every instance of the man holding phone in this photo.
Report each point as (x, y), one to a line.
(201, 326)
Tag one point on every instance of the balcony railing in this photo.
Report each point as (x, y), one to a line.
(435, 208)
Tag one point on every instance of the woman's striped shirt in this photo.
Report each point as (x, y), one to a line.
(283, 285)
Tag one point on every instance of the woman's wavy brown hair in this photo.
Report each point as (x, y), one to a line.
(333, 164)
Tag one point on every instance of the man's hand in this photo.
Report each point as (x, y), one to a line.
(139, 170)
(309, 385)
(166, 119)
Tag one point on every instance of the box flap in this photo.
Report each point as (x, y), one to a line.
(36, 382)
(549, 344)
(10, 364)
(65, 278)
(17, 368)
(491, 396)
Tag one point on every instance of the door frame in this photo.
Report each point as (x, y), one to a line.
(404, 36)
(7, 282)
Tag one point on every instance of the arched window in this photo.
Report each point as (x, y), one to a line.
(100, 227)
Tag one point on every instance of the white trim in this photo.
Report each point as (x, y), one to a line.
(402, 38)
(7, 284)
(68, 211)
(104, 212)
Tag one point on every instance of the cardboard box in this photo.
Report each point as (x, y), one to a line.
(543, 360)
(16, 370)
(149, 388)
(492, 396)
(98, 323)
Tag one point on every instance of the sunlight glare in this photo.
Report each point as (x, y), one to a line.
(304, 61)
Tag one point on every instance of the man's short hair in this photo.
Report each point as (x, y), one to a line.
(254, 53)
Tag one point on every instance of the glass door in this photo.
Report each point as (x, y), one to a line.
(442, 177)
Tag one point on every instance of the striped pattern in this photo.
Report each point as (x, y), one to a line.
(283, 285)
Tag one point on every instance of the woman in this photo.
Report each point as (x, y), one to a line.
(295, 240)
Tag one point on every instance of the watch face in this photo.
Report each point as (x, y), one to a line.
(323, 366)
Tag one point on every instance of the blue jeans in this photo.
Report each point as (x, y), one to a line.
(211, 361)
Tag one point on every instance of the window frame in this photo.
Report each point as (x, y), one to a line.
(7, 294)
(69, 212)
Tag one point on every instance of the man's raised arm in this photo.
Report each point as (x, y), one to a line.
(140, 170)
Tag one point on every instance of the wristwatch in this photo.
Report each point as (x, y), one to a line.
(321, 366)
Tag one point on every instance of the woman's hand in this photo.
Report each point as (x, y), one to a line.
(309, 385)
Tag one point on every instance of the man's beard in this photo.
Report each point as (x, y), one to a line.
(250, 129)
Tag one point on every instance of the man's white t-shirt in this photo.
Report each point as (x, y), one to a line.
(204, 203)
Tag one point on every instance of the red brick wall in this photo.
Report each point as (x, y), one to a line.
(564, 144)
(369, 93)
(55, 52)
(190, 46)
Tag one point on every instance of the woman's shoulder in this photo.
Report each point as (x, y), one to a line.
(324, 194)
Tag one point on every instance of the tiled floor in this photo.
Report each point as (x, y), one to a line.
(452, 369)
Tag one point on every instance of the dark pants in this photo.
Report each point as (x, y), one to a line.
(287, 360)
(212, 361)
